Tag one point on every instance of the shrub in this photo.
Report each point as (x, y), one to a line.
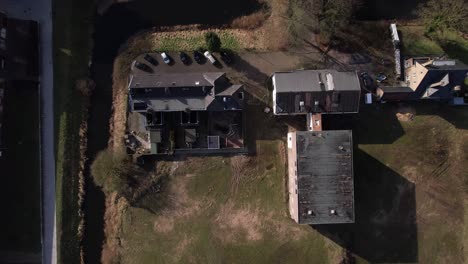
(111, 170)
(213, 42)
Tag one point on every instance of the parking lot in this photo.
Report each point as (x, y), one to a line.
(177, 66)
(250, 69)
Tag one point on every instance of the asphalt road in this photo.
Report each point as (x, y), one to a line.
(41, 11)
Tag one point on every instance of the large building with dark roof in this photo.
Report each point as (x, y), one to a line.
(185, 113)
(320, 168)
(315, 91)
(209, 91)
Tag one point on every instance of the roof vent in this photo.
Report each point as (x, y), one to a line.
(173, 83)
(333, 212)
(330, 83)
(444, 63)
(301, 106)
(197, 83)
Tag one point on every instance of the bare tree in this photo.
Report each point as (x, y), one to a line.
(322, 16)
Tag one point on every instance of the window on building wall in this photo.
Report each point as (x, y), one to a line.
(2, 44)
(3, 33)
(2, 63)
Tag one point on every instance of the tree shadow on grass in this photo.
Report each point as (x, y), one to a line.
(385, 229)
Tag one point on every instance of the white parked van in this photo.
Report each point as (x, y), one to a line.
(210, 57)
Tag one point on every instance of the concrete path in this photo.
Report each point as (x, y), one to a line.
(41, 11)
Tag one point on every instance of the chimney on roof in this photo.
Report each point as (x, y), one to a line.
(330, 83)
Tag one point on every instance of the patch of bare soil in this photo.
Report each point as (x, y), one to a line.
(181, 247)
(231, 221)
(181, 205)
(239, 166)
(405, 113)
(282, 153)
(115, 209)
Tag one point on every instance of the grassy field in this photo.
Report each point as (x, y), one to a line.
(197, 41)
(20, 169)
(72, 48)
(415, 43)
(410, 189)
(223, 210)
(424, 215)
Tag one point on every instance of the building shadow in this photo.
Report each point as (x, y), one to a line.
(251, 72)
(455, 115)
(379, 118)
(385, 229)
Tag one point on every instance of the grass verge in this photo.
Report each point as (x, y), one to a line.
(72, 47)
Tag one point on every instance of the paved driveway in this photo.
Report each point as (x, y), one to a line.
(41, 11)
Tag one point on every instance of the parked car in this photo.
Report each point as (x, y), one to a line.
(210, 57)
(381, 77)
(142, 66)
(226, 57)
(198, 57)
(166, 58)
(150, 59)
(184, 58)
(367, 81)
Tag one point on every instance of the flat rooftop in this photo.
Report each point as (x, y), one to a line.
(316, 81)
(325, 185)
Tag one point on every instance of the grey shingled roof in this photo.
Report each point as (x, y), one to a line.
(181, 92)
(320, 91)
(325, 177)
(174, 80)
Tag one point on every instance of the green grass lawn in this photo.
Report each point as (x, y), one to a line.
(194, 42)
(416, 44)
(428, 153)
(448, 42)
(20, 193)
(72, 46)
(210, 218)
